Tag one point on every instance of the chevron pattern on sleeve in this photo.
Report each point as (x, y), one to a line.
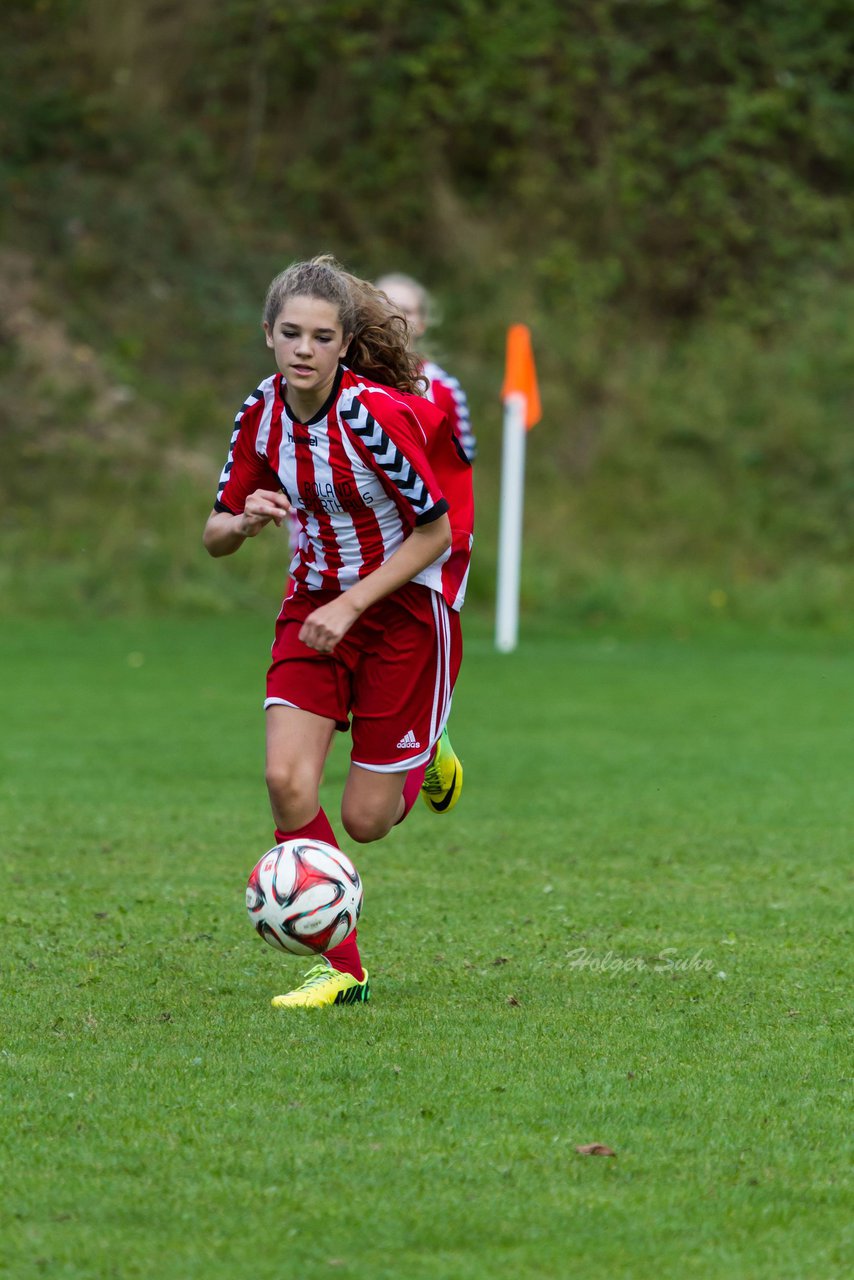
(257, 394)
(388, 457)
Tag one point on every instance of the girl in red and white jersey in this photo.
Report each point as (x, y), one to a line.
(369, 635)
(412, 301)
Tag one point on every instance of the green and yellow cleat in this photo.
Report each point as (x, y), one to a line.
(324, 985)
(443, 780)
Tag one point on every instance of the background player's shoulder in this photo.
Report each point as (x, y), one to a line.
(435, 373)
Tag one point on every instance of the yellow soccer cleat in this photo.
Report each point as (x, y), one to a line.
(324, 985)
(443, 780)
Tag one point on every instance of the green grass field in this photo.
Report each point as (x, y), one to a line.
(632, 931)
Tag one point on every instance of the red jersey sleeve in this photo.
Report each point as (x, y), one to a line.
(392, 433)
(245, 469)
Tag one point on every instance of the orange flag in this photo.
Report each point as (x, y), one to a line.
(520, 374)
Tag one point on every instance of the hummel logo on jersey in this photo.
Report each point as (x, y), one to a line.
(302, 437)
(408, 743)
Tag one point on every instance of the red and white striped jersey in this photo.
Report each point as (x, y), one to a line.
(447, 393)
(361, 474)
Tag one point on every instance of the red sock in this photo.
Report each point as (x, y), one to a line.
(345, 957)
(411, 787)
(318, 829)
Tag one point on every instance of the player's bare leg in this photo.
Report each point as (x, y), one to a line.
(372, 803)
(297, 746)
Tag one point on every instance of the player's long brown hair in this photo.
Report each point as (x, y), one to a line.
(379, 346)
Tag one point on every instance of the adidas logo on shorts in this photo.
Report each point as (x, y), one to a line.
(408, 742)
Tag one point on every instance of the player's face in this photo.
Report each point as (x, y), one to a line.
(407, 303)
(308, 341)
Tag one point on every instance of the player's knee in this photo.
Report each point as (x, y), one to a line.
(293, 793)
(364, 826)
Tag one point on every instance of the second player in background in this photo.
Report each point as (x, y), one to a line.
(411, 300)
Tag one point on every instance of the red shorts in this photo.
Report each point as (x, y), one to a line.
(393, 672)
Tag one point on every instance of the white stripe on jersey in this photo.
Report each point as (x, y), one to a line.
(285, 465)
(317, 565)
(343, 529)
(262, 439)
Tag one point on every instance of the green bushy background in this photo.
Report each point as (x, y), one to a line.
(662, 191)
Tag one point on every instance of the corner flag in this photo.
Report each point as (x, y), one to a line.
(522, 411)
(520, 374)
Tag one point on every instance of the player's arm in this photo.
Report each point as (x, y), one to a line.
(226, 532)
(249, 495)
(324, 628)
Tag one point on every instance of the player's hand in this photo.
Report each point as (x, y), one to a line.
(261, 507)
(324, 628)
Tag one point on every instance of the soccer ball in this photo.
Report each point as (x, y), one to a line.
(304, 896)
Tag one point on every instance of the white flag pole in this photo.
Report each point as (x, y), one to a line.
(510, 523)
